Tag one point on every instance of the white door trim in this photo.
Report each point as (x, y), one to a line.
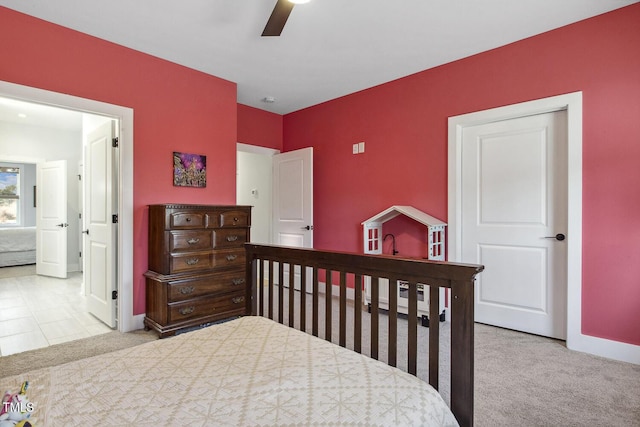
(126, 320)
(572, 103)
(256, 149)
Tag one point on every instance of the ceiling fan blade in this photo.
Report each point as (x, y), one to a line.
(278, 18)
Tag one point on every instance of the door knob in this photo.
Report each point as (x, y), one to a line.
(558, 236)
(308, 227)
(85, 232)
(62, 225)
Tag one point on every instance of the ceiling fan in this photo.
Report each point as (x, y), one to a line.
(279, 17)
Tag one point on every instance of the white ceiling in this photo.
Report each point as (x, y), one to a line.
(329, 48)
(30, 114)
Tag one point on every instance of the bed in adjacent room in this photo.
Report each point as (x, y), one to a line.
(17, 246)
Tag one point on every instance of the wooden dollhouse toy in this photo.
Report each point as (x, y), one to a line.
(373, 237)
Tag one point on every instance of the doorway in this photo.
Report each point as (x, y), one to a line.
(279, 186)
(53, 299)
(571, 104)
(126, 321)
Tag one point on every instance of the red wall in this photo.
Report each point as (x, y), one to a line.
(259, 127)
(404, 126)
(176, 108)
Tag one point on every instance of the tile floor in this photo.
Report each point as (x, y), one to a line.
(38, 311)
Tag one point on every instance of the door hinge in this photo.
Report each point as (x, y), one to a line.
(114, 218)
(114, 294)
(114, 142)
(80, 255)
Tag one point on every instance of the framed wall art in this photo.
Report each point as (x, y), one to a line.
(189, 170)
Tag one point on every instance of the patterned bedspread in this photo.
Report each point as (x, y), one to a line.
(250, 371)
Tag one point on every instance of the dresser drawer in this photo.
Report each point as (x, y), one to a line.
(208, 306)
(179, 220)
(229, 258)
(219, 283)
(190, 262)
(189, 240)
(230, 237)
(234, 219)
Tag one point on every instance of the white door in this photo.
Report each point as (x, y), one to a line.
(293, 198)
(293, 202)
(51, 219)
(99, 229)
(514, 204)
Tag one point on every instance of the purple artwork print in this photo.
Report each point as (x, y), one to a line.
(189, 170)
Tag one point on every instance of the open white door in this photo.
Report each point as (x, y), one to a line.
(293, 201)
(293, 198)
(99, 231)
(51, 219)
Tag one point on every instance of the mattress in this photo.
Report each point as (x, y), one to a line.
(250, 371)
(17, 246)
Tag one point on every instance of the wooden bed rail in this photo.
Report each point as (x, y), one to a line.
(355, 267)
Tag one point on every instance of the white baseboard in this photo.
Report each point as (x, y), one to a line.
(135, 322)
(605, 348)
(73, 267)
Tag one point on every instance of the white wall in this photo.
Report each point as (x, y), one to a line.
(22, 142)
(253, 184)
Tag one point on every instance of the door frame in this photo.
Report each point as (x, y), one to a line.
(572, 103)
(124, 276)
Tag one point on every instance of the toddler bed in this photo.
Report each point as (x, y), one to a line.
(250, 371)
(255, 370)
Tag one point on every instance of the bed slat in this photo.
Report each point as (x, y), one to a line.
(412, 332)
(392, 313)
(357, 315)
(375, 317)
(343, 309)
(434, 335)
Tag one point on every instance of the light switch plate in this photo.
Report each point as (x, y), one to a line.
(355, 148)
(361, 147)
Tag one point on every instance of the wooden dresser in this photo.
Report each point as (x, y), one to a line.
(196, 265)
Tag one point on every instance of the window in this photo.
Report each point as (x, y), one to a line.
(9, 195)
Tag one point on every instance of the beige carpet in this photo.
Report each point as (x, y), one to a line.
(62, 353)
(521, 380)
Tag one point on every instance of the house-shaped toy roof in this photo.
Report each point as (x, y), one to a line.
(372, 230)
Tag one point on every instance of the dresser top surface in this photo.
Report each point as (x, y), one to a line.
(198, 207)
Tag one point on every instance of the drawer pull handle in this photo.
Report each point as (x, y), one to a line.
(231, 257)
(186, 310)
(235, 219)
(237, 281)
(188, 219)
(185, 290)
(237, 300)
(232, 238)
(192, 261)
(193, 241)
